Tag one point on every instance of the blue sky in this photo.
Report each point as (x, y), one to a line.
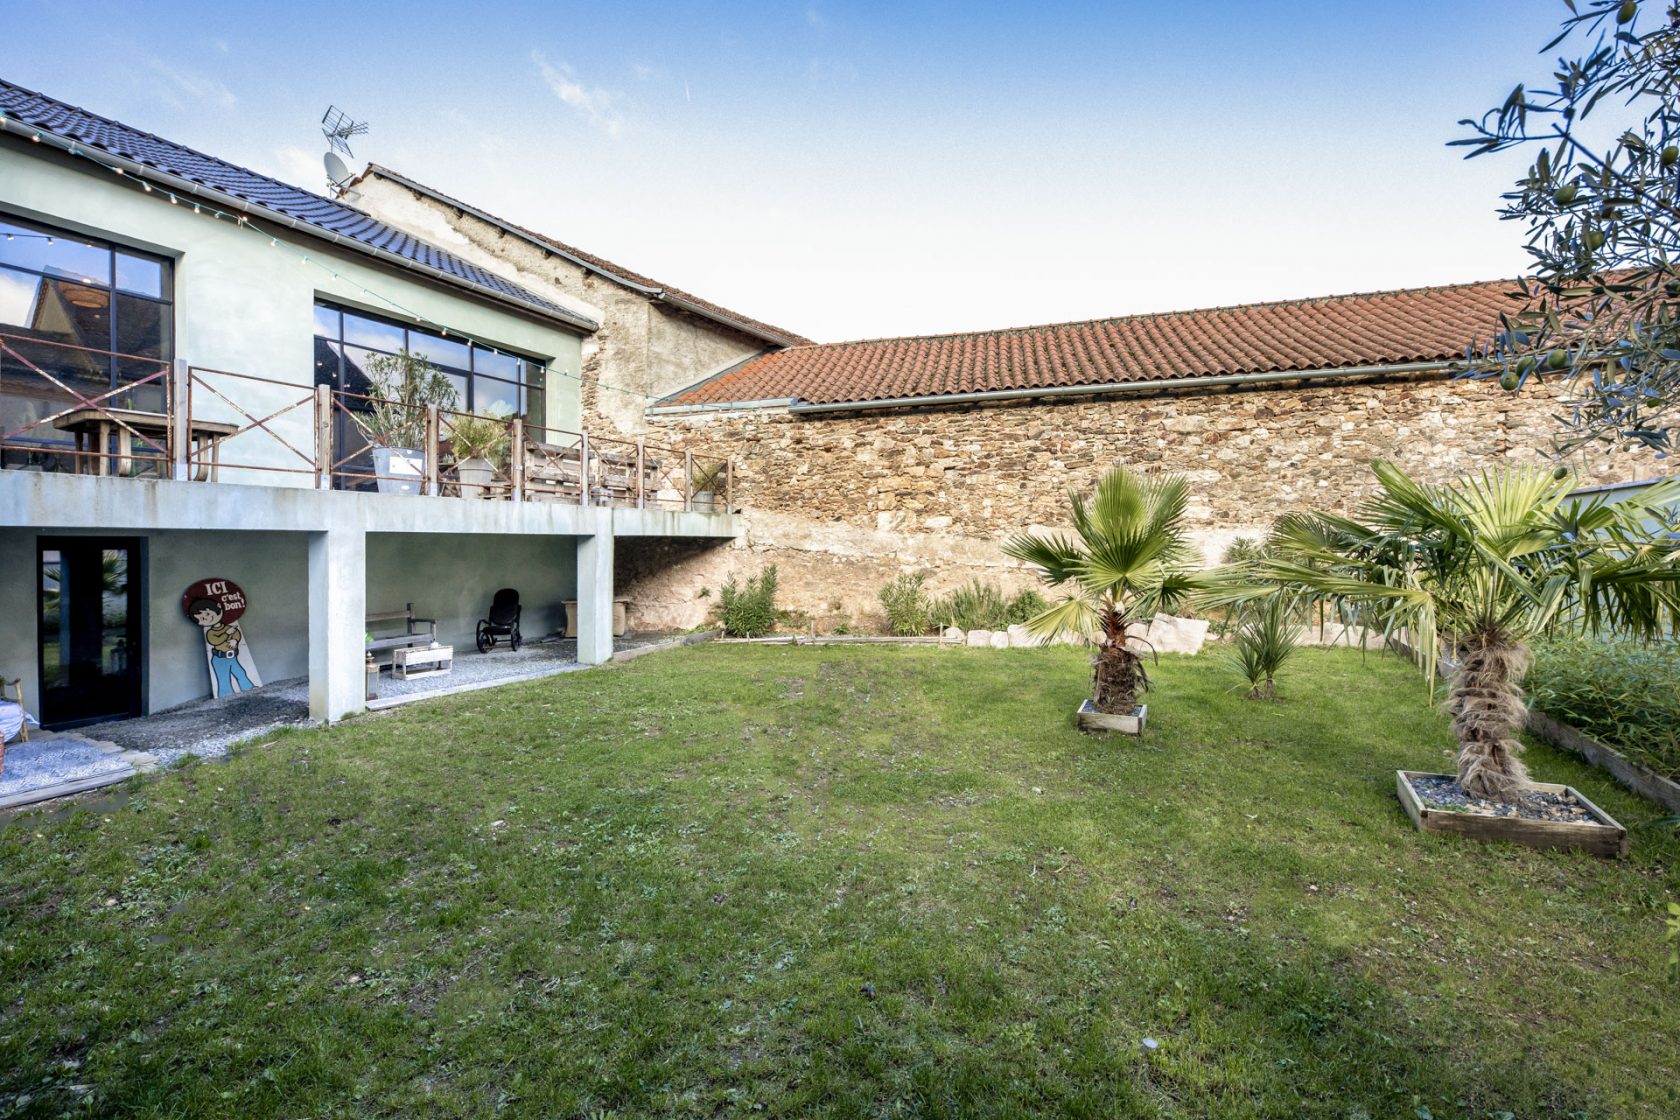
(854, 170)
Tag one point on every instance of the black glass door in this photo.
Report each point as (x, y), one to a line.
(90, 647)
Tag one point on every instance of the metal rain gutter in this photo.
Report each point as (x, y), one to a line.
(1107, 388)
(546, 246)
(256, 209)
(723, 406)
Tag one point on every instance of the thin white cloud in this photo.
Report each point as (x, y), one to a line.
(814, 18)
(179, 86)
(600, 107)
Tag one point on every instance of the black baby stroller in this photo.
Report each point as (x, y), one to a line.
(502, 623)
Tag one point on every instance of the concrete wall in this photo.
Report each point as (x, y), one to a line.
(452, 578)
(269, 567)
(244, 305)
(644, 348)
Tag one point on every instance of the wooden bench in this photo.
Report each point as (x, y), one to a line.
(409, 637)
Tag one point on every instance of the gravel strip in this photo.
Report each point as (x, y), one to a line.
(1535, 805)
(51, 762)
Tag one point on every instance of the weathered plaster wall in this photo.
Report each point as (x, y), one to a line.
(644, 348)
(843, 504)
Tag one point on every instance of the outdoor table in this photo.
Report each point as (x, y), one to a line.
(92, 428)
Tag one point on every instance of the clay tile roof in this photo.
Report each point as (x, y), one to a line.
(605, 268)
(327, 216)
(1376, 329)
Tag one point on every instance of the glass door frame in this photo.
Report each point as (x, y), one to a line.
(136, 547)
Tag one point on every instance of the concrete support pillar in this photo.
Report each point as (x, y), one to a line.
(595, 598)
(337, 623)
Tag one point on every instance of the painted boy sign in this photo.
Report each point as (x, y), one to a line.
(215, 606)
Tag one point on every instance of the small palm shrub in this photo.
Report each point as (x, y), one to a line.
(909, 610)
(749, 611)
(1127, 560)
(1267, 635)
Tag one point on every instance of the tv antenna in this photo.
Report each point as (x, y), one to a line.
(338, 126)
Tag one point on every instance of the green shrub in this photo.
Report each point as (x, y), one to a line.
(1244, 550)
(909, 611)
(1623, 693)
(750, 611)
(983, 606)
(1025, 604)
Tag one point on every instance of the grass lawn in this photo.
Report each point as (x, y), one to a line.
(838, 882)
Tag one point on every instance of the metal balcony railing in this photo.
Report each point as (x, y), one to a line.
(176, 420)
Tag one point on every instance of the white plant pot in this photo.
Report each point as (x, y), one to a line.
(703, 501)
(400, 469)
(475, 476)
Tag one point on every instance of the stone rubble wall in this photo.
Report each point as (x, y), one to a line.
(845, 503)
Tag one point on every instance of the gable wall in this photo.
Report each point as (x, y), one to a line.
(644, 349)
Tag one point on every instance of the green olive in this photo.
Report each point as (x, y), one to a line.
(1510, 381)
(1565, 194)
(1557, 359)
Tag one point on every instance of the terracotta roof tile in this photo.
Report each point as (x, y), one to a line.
(1379, 328)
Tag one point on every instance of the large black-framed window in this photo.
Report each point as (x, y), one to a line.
(115, 303)
(487, 379)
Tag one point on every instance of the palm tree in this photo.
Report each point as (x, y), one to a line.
(1484, 566)
(1129, 558)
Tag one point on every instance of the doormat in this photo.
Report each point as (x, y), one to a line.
(55, 767)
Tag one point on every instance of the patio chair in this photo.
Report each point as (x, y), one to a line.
(16, 697)
(502, 623)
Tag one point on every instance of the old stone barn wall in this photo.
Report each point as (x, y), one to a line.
(843, 503)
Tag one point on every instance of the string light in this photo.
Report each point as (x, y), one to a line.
(243, 221)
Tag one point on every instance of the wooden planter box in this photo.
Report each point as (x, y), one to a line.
(1606, 838)
(1094, 721)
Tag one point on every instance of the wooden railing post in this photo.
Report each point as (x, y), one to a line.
(688, 481)
(641, 472)
(180, 420)
(433, 435)
(516, 460)
(583, 466)
(729, 486)
(323, 437)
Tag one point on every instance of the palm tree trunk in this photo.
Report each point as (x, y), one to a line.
(1117, 672)
(1487, 709)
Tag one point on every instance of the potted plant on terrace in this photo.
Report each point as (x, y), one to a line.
(1483, 567)
(402, 387)
(1128, 558)
(480, 445)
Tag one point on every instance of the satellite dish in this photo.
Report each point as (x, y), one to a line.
(337, 172)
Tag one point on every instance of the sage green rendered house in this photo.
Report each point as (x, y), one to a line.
(185, 354)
